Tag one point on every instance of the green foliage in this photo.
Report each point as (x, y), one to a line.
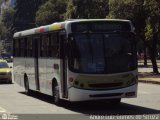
(51, 11)
(152, 32)
(8, 17)
(129, 9)
(121, 9)
(6, 27)
(153, 13)
(1, 2)
(3, 29)
(25, 11)
(79, 9)
(145, 14)
(152, 7)
(148, 31)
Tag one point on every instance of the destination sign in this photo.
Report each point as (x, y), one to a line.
(101, 26)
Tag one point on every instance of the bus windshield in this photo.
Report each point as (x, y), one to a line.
(102, 53)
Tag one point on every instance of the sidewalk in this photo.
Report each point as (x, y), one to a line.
(145, 75)
(149, 80)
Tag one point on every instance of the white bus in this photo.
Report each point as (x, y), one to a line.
(78, 60)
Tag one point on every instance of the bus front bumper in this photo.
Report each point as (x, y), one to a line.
(76, 94)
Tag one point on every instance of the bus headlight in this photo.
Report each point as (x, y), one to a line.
(133, 81)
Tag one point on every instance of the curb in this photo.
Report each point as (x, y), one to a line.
(148, 81)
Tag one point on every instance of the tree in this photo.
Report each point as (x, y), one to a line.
(152, 8)
(51, 11)
(3, 29)
(18, 18)
(25, 11)
(6, 29)
(135, 10)
(1, 1)
(8, 17)
(87, 9)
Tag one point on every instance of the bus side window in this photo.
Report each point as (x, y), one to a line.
(25, 47)
(54, 45)
(29, 47)
(22, 47)
(16, 47)
(43, 46)
(48, 49)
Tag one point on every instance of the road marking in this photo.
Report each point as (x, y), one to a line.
(2, 110)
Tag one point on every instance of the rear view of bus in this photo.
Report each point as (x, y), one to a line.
(102, 60)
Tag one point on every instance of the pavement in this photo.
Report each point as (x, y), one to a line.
(146, 75)
(150, 80)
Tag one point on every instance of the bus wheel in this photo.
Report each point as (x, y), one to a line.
(26, 85)
(56, 94)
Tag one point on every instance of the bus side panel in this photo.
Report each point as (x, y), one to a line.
(42, 73)
(30, 71)
(19, 70)
(49, 75)
(53, 70)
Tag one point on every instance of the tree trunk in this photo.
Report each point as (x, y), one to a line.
(145, 55)
(153, 52)
(154, 62)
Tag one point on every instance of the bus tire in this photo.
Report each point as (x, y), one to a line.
(26, 86)
(56, 98)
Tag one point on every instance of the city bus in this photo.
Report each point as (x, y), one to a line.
(78, 60)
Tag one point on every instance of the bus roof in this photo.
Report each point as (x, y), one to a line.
(59, 26)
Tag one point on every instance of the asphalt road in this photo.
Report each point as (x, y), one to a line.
(14, 101)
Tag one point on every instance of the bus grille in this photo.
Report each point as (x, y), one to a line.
(106, 95)
(105, 85)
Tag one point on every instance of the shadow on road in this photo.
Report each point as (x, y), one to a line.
(4, 83)
(105, 108)
(98, 107)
